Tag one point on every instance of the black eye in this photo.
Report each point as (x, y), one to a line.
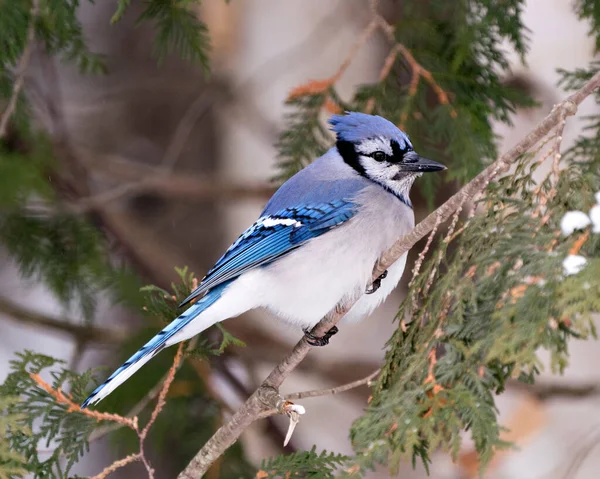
(379, 156)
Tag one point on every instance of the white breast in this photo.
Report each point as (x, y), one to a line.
(368, 302)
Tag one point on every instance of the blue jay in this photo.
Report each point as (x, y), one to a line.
(315, 243)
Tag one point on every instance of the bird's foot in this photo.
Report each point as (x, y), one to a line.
(376, 284)
(316, 341)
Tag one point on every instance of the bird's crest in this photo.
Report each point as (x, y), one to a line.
(356, 127)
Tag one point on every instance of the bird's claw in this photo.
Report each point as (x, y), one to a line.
(377, 283)
(317, 341)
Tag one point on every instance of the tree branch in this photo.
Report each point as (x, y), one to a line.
(266, 397)
(80, 332)
(547, 391)
(21, 69)
(331, 391)
(178, 186)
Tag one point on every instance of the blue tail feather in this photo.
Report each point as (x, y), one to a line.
(155, 345)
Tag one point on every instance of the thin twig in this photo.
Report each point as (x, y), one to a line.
(418, 70)
(135, 410)
(119, 421)
(61, 398)
(19, 80)
(266, 397)
(557, 155)
(162, 175)
(362, 39)
(388, 63)
(336, 390)
(83, 333)
(163, 392)
(318, 86)
(193, 114)
(421, 258)
(189, 187)
(117, 465)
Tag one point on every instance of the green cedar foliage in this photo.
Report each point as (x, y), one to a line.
(501, 298)
(60, 249)
(460, 43)
(12, 464)
(303, 464)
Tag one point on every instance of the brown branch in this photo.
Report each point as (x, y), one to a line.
(21, 70)
(61, 398)
(141, 405)
(190, 187)
(362, 39)
(162, 397)
(419, 72)
(336, 390)
(547, 391)
(313, 87)
(80, 332)
(138, 178)
(266, 397)
(117, 465)
(388, 63)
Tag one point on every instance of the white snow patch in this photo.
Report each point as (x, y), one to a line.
(595, 217)
(573, 264)
(297, 408)
(574, 220)
(597, 195)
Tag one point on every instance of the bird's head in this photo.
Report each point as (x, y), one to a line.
(380, 151)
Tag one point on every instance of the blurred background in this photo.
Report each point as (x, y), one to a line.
(180, 164)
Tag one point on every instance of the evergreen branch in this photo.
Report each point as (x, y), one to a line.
(418, 71)
(117, 420)
(21, 70)
(84, 333)
(330, 391)
(315, 87)
(61, 398)
(567, 107)
(266, 397)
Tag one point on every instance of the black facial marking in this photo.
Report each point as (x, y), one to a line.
(348, 153)
(399, 153)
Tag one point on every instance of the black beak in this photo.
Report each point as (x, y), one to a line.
(417, 164)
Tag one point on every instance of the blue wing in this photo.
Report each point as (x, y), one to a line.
(273, 236)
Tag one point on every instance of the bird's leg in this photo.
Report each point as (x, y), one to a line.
(316, 341)
(376, 284)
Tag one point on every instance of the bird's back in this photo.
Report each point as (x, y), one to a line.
(325, 179)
